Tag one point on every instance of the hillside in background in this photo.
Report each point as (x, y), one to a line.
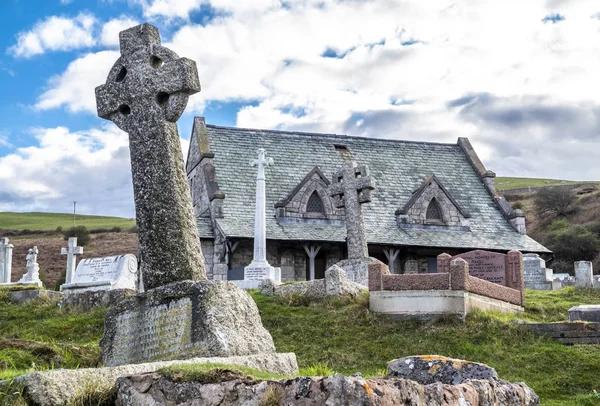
(51, 221)
(506, 183)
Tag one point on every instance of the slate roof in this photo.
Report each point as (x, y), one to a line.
(398, 167)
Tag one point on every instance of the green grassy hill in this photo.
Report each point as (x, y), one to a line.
(507, 183)
(345, 338)
(51, 221)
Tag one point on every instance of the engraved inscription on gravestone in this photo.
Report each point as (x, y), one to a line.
(160, 332)
(486, 265)
(534, 268)
(116, 272)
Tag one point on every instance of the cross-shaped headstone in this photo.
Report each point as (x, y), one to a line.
(71, 252)
(350, 188)
(145, 93)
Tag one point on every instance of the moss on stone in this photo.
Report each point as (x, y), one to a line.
(215, 373)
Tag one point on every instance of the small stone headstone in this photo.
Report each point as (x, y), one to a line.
(107, 273)
(486, 265)
(583, 274)
(536, 275)
(590, 313)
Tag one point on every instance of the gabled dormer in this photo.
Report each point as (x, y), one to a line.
(309, 200)
(432, 205)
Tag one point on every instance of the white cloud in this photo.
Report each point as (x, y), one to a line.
(74, 88)
(91, 167)
(404, 69)
(65, 2)
(110, 30)
(55, 34)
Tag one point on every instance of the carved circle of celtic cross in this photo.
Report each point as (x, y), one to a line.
(148, 84)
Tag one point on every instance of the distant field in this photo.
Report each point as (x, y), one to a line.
(504, 183)
(51, 221)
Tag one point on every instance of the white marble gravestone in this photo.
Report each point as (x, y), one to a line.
(71, 252)
(108, 273)
(535, 273)
(584, 274)
(6, 250)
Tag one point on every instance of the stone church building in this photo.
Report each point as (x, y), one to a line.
(429, 198)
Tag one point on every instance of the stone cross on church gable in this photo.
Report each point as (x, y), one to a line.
(145, 93)
(71, 252)
(350, 188)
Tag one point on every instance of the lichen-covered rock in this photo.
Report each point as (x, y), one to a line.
(59, 387)
(155, 389)
(184, 320)
(267, 287)
(427, 369)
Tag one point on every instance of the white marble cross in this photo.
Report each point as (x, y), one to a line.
(71, 252)
(5, 260)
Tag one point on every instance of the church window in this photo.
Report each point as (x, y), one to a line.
(315, 204)
(434, 212)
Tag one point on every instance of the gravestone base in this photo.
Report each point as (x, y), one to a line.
(548, 285)
(89, 299)
(184, 320)
(589, 313)
(257, 272)
(23, 296)
(357, 270)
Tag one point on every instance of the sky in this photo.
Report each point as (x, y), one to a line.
(520, 79)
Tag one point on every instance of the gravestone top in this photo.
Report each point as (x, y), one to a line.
(145, 93)
(351, 186)
(71, 252)
(107, 273)
(490, 266)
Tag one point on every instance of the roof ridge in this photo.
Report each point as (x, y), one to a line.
(329, 135)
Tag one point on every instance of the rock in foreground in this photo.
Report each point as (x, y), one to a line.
(155, 389)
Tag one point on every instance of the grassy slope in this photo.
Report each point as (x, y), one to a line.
(347, 339)
(51, 221)
(506, 183)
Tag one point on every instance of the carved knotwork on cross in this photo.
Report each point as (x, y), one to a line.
(350, 188)
(147, 83)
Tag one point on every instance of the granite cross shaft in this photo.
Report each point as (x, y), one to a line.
(71, 252)
(350, 188)
(260, 233)
(145, 93)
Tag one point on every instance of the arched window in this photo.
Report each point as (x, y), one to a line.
(315, 204)
(434, 212)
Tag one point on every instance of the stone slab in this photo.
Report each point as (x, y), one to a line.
(585, 313)
(89, 299)
(59, 386)
(115, 272)
(433, 303)
(357, 270)
(184, 320)
(568, 333)
(428, 369)
(23, 296)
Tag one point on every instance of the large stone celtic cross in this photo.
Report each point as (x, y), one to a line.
(350, 188)
(145, 93)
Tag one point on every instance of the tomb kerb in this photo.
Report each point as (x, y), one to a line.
(145, 93)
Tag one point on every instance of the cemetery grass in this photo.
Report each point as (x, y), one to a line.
(51, 221)
(341, 337)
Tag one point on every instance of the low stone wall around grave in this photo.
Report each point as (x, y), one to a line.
(457, 278)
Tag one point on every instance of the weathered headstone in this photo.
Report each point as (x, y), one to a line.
(32, 276)
(108, 273)
(590, 313)
(583, 274)
(145, 93)
(260, 269)
(6, 250)
(71, 252)
(536, 275)
(181, 314)
(350, 188)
